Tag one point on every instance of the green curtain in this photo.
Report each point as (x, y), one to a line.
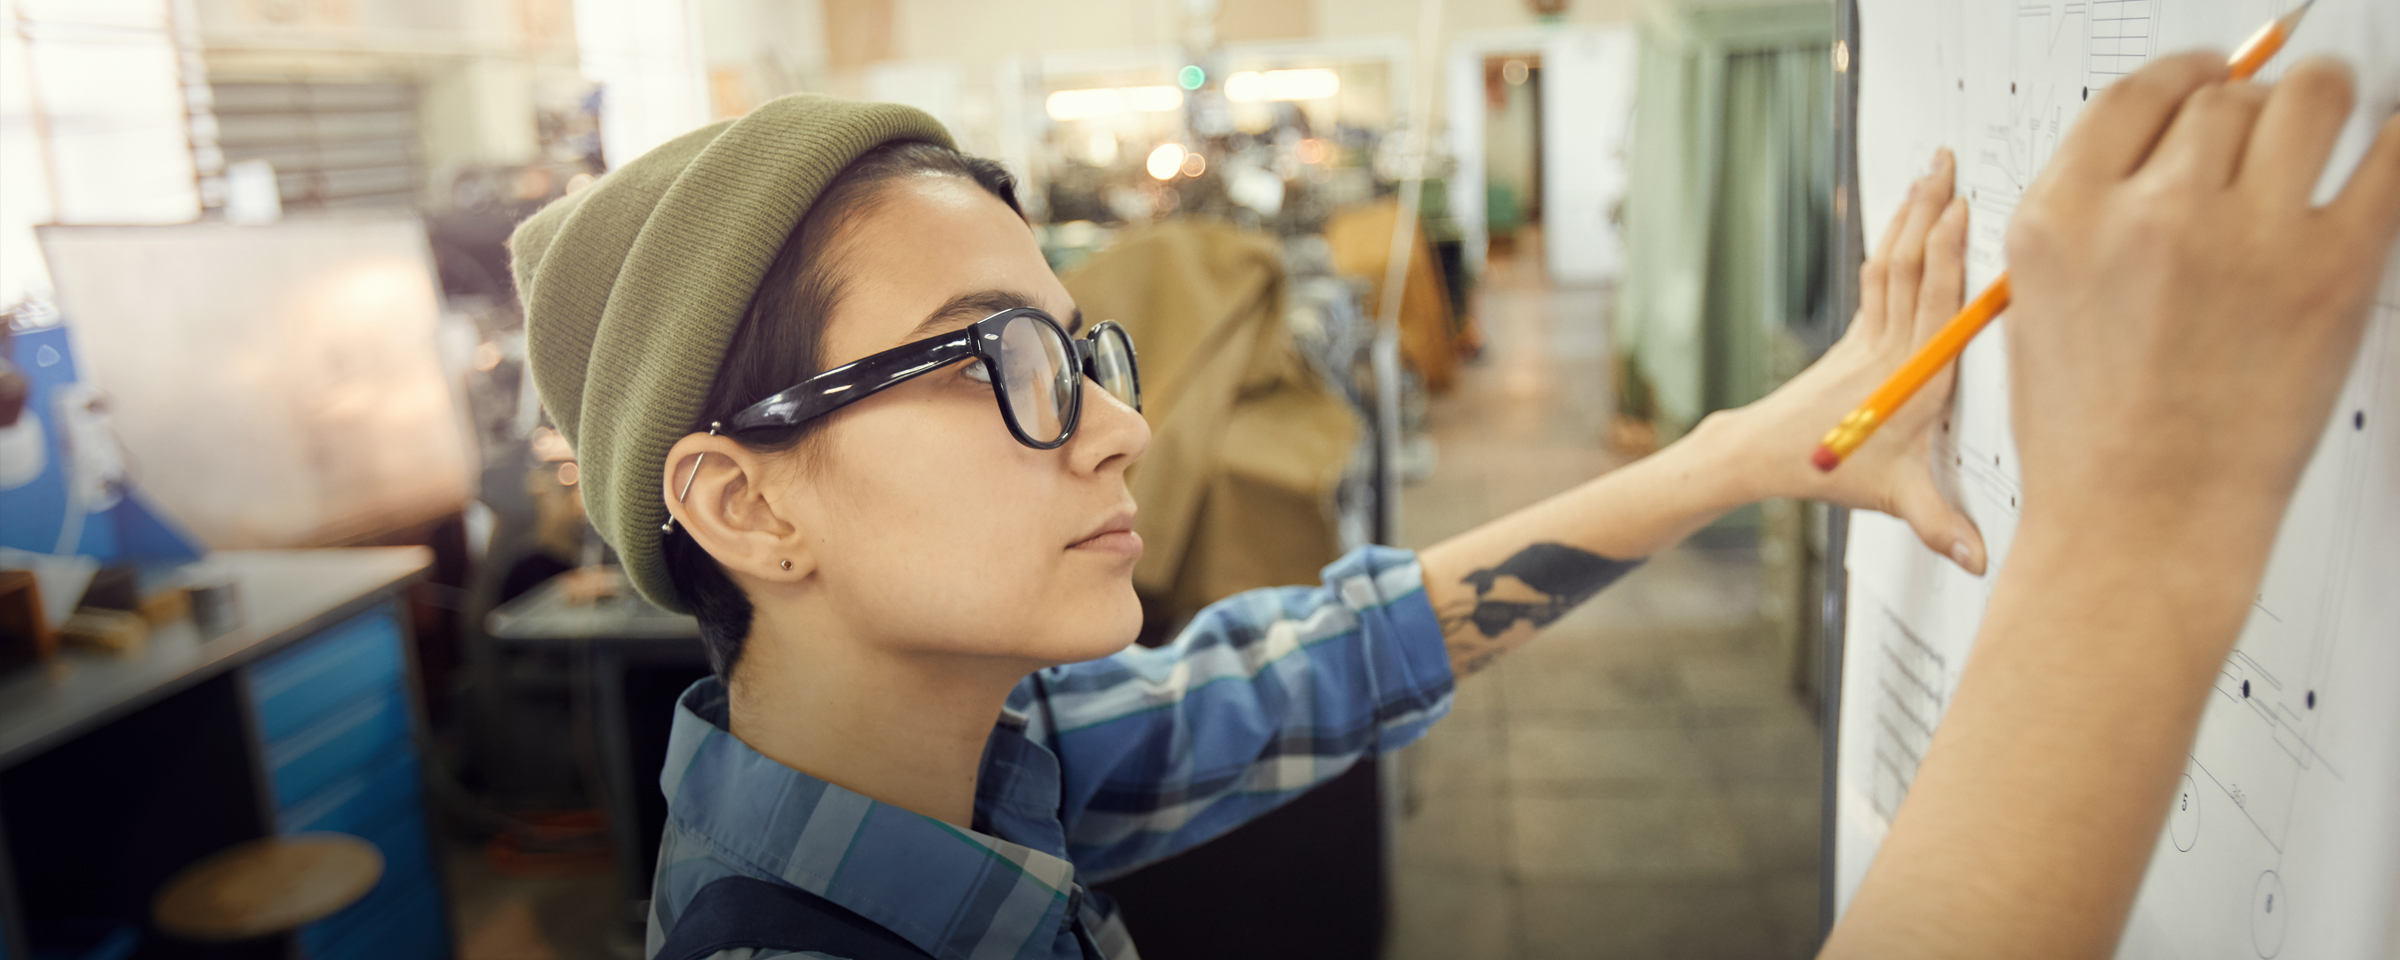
(1728, 208)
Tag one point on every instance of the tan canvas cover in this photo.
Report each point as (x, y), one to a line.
(1361, 239)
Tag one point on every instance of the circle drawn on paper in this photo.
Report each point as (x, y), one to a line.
(2269, 912)
(2183, 819)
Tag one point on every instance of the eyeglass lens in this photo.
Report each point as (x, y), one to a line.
(1112, 364)
(1041, 378)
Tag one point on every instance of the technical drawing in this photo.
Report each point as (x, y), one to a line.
(1913, 690)
(2282, 839)
(2120, 40)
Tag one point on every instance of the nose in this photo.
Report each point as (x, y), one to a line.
(1112, 435)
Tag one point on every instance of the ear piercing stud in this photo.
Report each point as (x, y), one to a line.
(787, 564)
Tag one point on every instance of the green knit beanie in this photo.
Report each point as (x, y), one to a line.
(633, 287)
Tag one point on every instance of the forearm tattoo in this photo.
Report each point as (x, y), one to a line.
(1538, 585)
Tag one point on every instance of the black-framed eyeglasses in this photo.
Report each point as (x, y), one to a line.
(1035, 369)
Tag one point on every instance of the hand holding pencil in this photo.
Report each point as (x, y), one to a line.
(1939, 353)
(2185, 315)
(2185, 312)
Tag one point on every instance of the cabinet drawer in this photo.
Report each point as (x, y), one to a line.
(339, 745)
(357, 803)
(296, 688)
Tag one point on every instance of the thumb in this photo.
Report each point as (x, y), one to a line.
(1945, 529)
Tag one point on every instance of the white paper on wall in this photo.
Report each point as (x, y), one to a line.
(2284, 838)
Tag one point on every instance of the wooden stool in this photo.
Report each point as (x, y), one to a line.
(267, 886)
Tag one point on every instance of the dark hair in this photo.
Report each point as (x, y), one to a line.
(780, 342)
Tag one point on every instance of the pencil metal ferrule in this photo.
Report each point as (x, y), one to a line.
(1852, 431)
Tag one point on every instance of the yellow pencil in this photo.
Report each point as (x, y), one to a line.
(1952, 340)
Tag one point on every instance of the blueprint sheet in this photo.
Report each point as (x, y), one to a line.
(2283, 839)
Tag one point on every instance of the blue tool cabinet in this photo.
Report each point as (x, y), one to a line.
(336, 728)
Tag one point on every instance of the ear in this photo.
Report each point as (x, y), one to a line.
(726, 497)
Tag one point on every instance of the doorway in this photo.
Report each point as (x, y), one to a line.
(1512, 149)
(1543, 116)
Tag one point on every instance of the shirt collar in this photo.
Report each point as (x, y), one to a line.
(955, 893)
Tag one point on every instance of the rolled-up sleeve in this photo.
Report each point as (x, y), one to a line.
(1264, 695)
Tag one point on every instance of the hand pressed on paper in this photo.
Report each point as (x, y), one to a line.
(1909, 288)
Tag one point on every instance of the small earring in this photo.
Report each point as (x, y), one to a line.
(787, 564)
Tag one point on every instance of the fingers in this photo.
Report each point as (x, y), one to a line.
(1942, 527)
(1891, 231)
(2204, 143)
(2372, 197)
(2296, 132)
(1874, 277)
(1904, 266)
(2113, 137)
(1945, 270)
(1871, 316)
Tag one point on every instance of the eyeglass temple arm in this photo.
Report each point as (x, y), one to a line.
(854, 381)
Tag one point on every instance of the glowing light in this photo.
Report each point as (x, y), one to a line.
(1514, 72)
(1191, 77)
(548, 445)
(1313, 150)
(1111, 101)
(1165, 161)
(1194, 165)
(1251, 86)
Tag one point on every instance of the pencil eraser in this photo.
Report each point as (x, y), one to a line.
(1825, 458)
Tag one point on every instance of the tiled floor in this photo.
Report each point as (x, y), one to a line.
(1640, 781)
(571, 917)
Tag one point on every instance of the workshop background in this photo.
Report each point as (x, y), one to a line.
(289, 550)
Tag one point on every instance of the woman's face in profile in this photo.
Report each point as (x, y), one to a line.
(933, 528)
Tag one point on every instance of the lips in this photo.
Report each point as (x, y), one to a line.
(1115, 535)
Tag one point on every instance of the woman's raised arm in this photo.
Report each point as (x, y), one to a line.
(1497, 585)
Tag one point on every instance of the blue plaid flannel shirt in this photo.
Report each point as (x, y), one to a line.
(1093, 770)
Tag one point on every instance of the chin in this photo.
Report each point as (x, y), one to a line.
(1099, 627)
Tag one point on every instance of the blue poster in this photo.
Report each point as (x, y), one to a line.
(63, 484)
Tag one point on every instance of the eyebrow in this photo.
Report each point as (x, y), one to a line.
(967, 308)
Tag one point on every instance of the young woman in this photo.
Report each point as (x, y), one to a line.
(829, 399)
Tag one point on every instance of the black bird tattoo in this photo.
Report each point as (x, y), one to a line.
(1562, 575)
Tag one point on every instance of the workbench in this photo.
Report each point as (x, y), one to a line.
(117, 772)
